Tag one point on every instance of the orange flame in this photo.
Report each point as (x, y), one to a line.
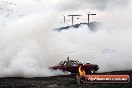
(81, 71)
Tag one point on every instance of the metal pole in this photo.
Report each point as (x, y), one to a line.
(64, 19)
(72, 20)
(89, 18)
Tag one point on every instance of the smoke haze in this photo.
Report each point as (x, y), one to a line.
(28, 44)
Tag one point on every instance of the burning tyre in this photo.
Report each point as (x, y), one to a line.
(81, 80)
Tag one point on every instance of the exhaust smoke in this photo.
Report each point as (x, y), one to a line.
(28, 44)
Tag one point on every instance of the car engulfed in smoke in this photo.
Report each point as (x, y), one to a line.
(73, 66)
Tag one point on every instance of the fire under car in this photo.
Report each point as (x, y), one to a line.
(73, 66)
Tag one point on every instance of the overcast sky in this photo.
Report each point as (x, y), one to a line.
(101, 7)
(68, 5)
(91, 4)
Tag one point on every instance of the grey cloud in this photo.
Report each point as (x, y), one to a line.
(94, 4)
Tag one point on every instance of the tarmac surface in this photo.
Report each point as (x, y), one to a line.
(64, 81)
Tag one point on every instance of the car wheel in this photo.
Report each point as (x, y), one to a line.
(81, 80)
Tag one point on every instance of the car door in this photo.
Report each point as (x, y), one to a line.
(73, 68)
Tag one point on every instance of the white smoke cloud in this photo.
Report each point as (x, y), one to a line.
(24, 41)
(93, 4)
(110, 46)
(28, 44)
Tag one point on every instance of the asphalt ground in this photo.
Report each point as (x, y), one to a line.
(61, 81)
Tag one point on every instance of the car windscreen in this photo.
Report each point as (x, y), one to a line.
(77, 62)
(62, 63)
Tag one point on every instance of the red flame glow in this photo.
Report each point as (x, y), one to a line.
(81, 71)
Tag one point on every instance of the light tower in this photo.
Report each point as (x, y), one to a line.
(89, 17)
(73, 18)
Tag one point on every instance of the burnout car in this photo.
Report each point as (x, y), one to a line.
(73, 65)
